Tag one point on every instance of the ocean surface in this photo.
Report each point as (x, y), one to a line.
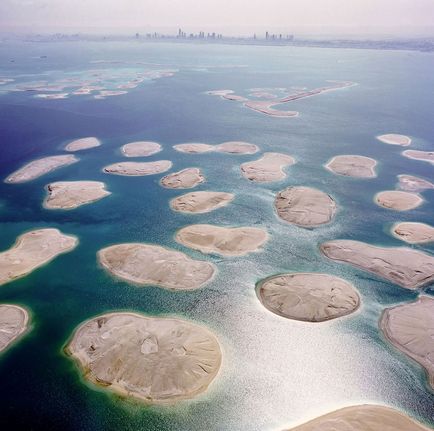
(276, 373)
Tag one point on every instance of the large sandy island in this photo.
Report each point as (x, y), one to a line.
(32, 250)
(353, 166)
(398, 200)
(194, 148)
(425, 156)
(37, 168)
(154, 359)
(83, 144)
(146, 264)
(414, 233)
(185, 179)
(201, 202)
(309, 297)
(237, 147)
(14, 322)
(305, 206)
(362, 418)
(68, 195)
(409, 183)
(410, 327)
(395, 139)
(268, 168)
(138, 169)
(140, 149)
(404, 266)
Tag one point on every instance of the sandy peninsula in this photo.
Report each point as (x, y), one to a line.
(194, 148)
(185, 179)
(353, 166)
(138, 169)
(425, 156)
(83, 144)
(270, 167)
(68, 195)
(154, 359)
(362, 418)
(140, 149)
(305, 206)
(201, 202)
(395, 139)
(39, 167)
(237, 147)
(226, 241)
(32, 250)
(398, 200)
(145, 264)
(404, 266)
(409, 327)
(309, 297)
(410, 183)
(414, 233)
(14, 321)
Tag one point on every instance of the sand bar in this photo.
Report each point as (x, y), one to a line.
(237, 147)
(83, 144)
(226, 241)
(425, 156)
(395, 139)
(201, 202)
(309, 297)
(398, 200)
(32, 250)
(414, 233)
(194, 148)
(268, 168)
(146, 264)
(39, 167)
(140, 149)
(153, 359)
(353, 166)
(410, 183)
(138, 169)
(404, 266)
(185, 179)
(14, 322)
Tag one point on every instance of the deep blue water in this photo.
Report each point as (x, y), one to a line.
(276, 372)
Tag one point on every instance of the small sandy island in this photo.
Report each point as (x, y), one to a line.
(425, 156)
(308, 297)
(397, 200)
(146, 264)
(226, 241)
(201, 202)
(237, 147)
(185, 179)
(32, 250)
(304, 206)
(138, 169)
(140, 149)
(362, 418)
(37, 168)
(194, 148)
(83, 144)
(404, 266)
(268, 168)
(409, 327)
(353, 166)
(414, 233)
(14, 322)
(68, 195)
(409, 183)
(395, 139)
(154, 359)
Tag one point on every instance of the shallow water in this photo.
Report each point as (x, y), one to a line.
(276, 372)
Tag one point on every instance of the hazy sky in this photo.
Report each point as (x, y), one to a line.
(310, 15)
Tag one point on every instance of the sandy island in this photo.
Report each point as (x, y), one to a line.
(32, 250)
(157, 360)
(268, 168)
(201, 202)
(414, 233)
(237, 147)
(83, 144)
(395, 139)
(305, 206)
(409, 327)
(397, 200)
(362, 418)
(425, 156)
(404, 266)
(39, 167)
(185, 179)
(226, 241)
(352, 166)
(140, 149)
(14, 321)
(146, 264)
(409, 183)
(138, 169)
(194, 148)
(308, 297)
(68, 195)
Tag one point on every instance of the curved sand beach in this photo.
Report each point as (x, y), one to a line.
(414, 233)
(153, 359)
(410, 183)
(83, 144)
(404, 266)
(146, 264)
(138, 169)
(14, 322)
(309, 297)
(185, 179)
(268, 168)
(201, 202)
(398, 200)
(32, 250)
(425, 156)
(395, 139)
(352, 166)
(140, 149)
(194, 148)
(237, 147)
(226, 241)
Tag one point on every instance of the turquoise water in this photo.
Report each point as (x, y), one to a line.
(276, 372)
